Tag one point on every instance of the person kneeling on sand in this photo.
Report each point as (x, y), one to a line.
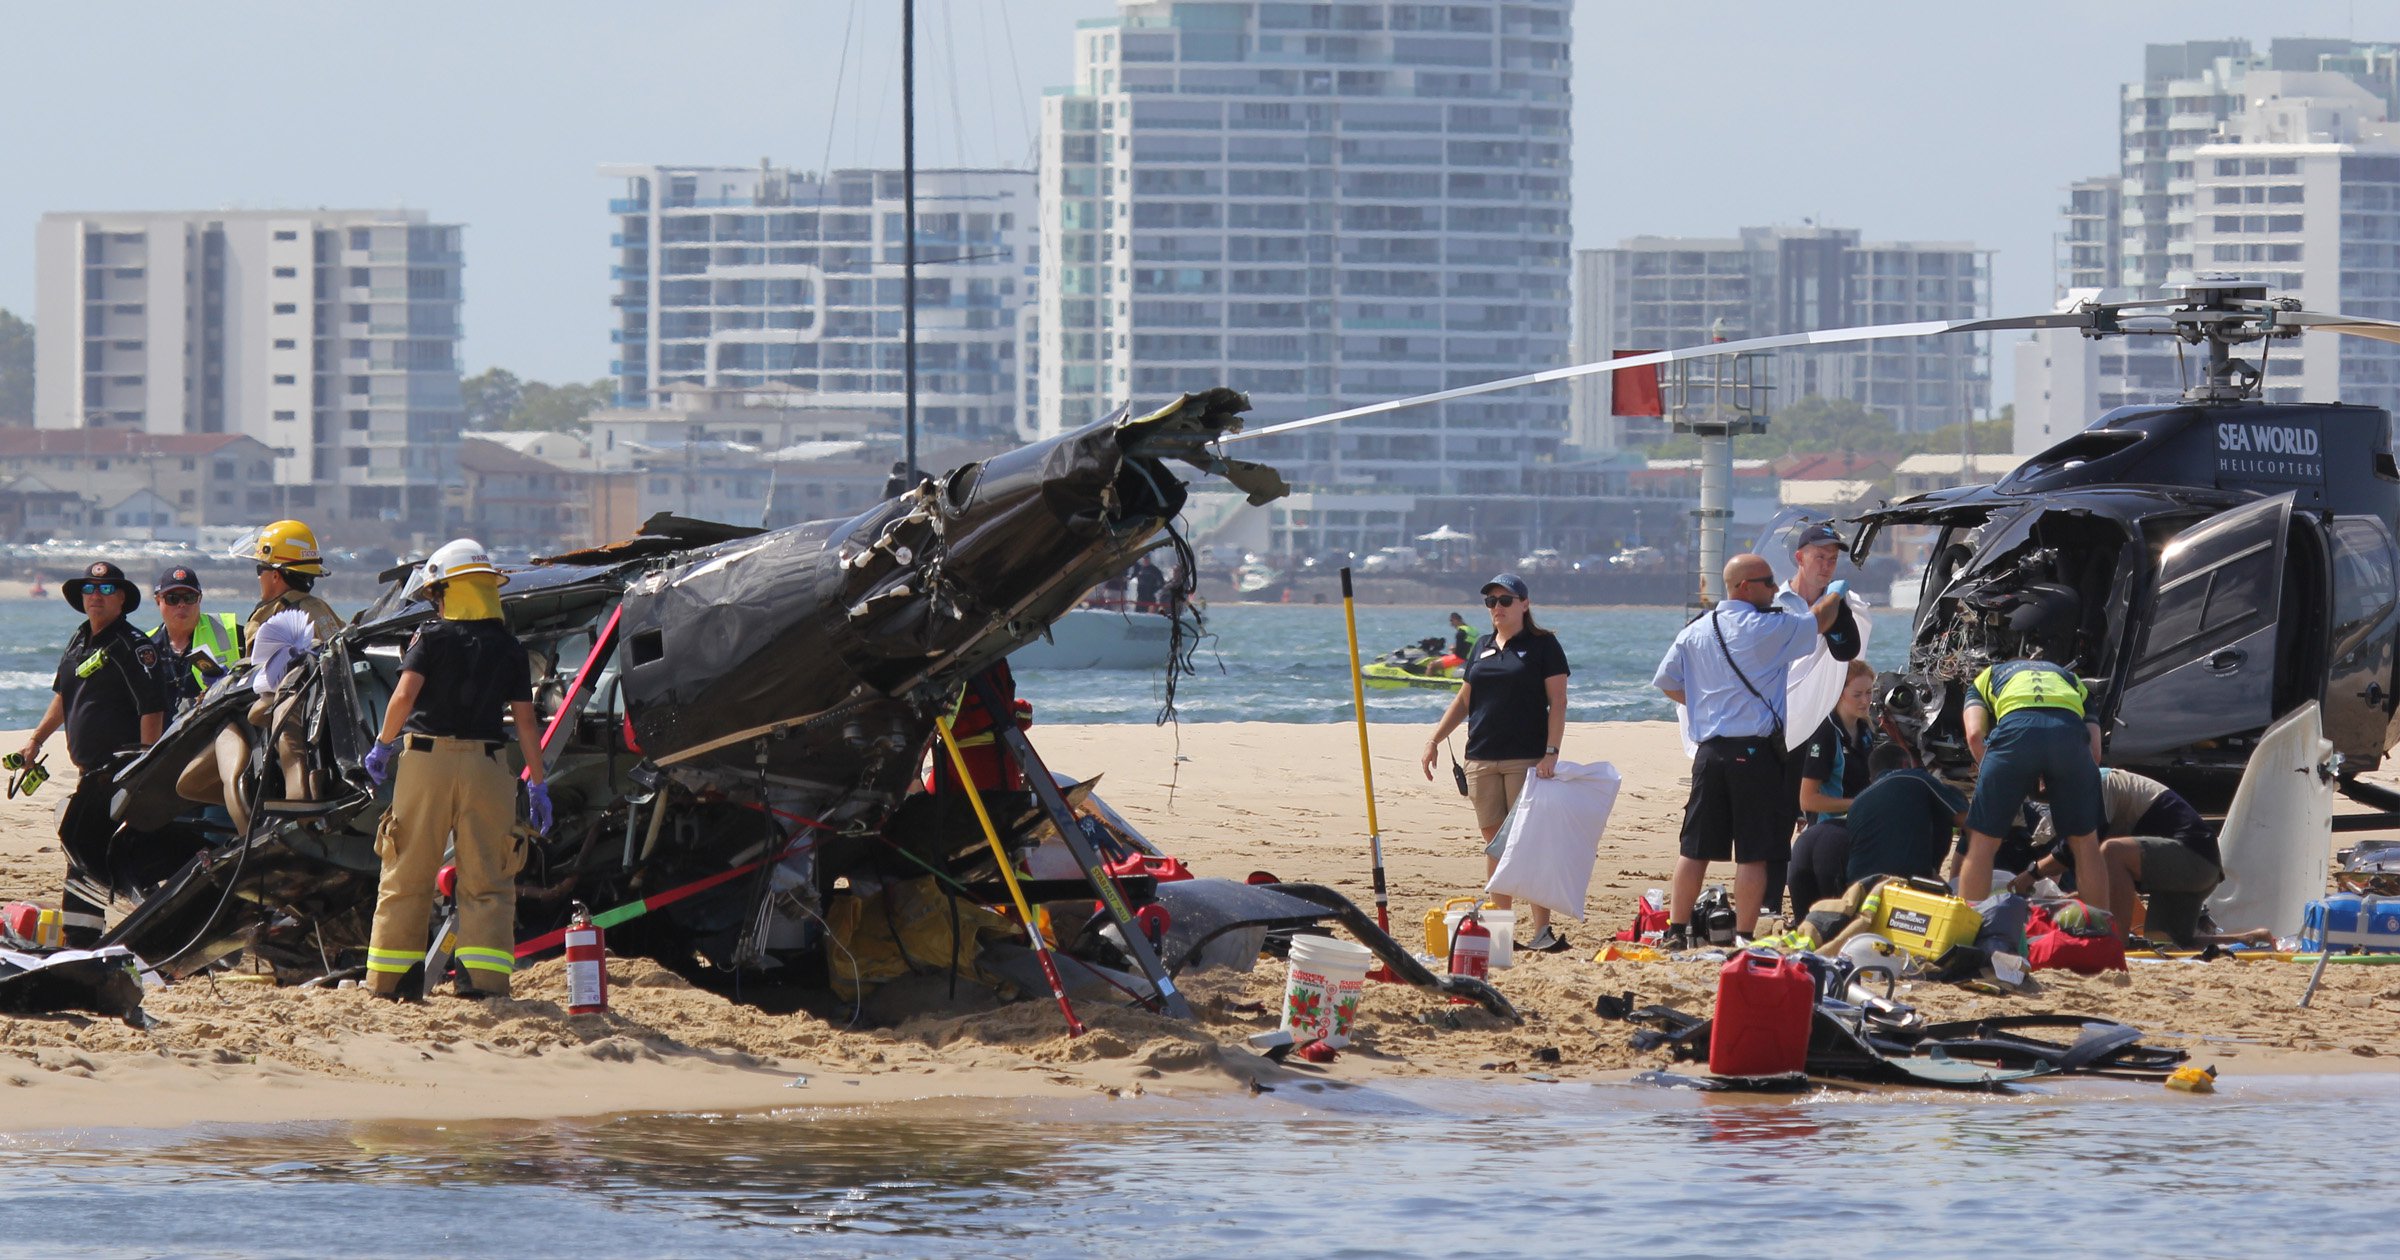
(2154, 844)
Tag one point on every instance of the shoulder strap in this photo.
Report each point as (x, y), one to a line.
(1719, 627)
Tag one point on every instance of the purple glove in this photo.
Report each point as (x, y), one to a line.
(379, 762)
(537, 806)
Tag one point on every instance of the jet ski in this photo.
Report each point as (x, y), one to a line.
(1426, 663)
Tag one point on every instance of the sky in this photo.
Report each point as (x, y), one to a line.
(1910, 121)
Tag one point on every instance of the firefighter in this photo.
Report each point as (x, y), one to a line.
(453, 782)
(195, 648)
(288, 565)
(110, 696)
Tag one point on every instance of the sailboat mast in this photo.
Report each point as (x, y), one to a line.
(908, 214)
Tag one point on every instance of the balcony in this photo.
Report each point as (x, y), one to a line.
(629, 273)
(629, 336)
(628, 205)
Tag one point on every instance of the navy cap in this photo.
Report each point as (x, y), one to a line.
(1822, 532)
(1511, 583)
(178, 578)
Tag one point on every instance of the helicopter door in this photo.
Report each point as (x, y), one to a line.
(2205, 667)
(2358, 706)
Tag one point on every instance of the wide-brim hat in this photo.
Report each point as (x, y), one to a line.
(100, 571)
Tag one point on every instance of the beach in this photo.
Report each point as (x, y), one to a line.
(1228, 798)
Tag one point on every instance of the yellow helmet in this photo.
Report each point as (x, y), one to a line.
(287, 545)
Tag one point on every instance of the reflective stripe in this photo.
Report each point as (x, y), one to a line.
(393, 960)
(69, 918)
(485, 959)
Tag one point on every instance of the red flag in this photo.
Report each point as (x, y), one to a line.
(1633, 391)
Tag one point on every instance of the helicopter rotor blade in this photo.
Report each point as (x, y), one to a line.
(2335, 322)
(2079, 318)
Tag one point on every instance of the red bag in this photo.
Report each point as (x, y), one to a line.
(2083, 955)
(1645, 921)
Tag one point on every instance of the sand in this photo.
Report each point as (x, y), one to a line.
(1228, 798)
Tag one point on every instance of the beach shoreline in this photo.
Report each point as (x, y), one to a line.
(1227, 798)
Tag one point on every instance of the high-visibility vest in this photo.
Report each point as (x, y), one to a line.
(221, 634)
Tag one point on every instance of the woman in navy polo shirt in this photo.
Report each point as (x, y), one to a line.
(1514, 704)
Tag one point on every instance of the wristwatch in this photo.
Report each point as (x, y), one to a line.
(1550, 750)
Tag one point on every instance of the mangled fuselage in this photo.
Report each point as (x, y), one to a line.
(2206, 569)
(717, 696)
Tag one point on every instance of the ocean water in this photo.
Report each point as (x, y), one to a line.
(1291, 663)
(2269, 1167)
(1258, 663)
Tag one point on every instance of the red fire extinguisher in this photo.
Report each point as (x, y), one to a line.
(587, 966)
(1471, 950)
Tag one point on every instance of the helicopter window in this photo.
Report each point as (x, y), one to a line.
(2363, 578)
(2208, 579)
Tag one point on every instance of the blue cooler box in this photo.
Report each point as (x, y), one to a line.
(2352, 921)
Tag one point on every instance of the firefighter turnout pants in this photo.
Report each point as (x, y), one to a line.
(446, 788)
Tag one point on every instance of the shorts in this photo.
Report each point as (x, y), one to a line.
(1738, 808)
(2029, 748)
(2177, 881)
(1493, 787)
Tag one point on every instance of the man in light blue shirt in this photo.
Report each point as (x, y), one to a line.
(1728, 668)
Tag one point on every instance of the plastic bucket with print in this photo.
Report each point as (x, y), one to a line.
(1322, 989)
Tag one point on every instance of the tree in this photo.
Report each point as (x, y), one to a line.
(16, 370)
(497, 398)
(491, 397)
(560, 408)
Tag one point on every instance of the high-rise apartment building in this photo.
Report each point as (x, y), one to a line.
(1323, 205)
(331, 336)
(790, 284)
(2088, 252)
(2191, 95)
(1666, 293)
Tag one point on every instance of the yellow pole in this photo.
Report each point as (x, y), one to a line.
(1008, 872)
(1358, 706)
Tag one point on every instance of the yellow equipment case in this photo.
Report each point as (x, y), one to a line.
(1920, 915)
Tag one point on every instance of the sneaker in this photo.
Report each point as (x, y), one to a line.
(1546, 941)
(1677, 939)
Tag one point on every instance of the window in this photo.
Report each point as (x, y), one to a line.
(360, 238)
(286, 343)
(2210, 578)
(358, 385)
(2363, 580)
(286, 380)
(287, 308)
(286, 415)
(358, 456)
(287, 273)
(358, 422)
(287, 235)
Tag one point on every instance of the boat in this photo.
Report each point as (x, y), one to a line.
(1257, 579)
(1426, 665)
(1100, 638)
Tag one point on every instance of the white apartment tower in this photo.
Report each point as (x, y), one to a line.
(1322, 205)
(1667, 293)
(2191, 95)
(329, 335)
(789, 285)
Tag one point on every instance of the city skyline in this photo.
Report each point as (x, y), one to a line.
(540, 95)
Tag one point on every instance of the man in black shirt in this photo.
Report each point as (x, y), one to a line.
(110, 697)
(459, 675)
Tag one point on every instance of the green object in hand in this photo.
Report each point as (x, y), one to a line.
(91, 665)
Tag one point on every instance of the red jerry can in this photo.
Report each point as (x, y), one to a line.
(1765, 1004)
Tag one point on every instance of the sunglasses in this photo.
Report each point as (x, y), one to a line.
(101, 588)
(1499, 601)
(177, 599)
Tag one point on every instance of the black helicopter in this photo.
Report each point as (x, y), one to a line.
(736, 724)
(2207, 566)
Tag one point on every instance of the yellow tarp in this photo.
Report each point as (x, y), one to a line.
(904, 929)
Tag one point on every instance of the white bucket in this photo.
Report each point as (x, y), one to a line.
(1502, 924)
(1322, 991)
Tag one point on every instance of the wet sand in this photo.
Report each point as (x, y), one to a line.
(1228, 798)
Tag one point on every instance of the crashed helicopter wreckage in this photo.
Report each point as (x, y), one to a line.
(734, 725)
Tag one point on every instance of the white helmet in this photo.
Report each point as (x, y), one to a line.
(458, 558)
(1868, 952)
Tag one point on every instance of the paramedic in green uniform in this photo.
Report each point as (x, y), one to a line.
(2025, 724)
